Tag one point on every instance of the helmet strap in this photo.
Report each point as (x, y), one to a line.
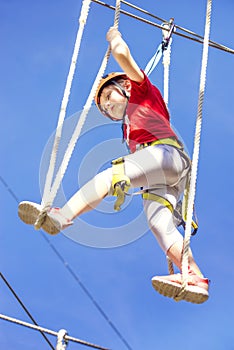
(124, 93)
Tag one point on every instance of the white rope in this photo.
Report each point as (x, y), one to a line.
(195, 158)
(85, 111)
(166, 64)
(169, 29)
(50, 190)
(82, 21)
(61, 341)
(170, 266)
(77, 131)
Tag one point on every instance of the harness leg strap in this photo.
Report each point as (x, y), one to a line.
(178, 212)
(159, 199)
(120, 182)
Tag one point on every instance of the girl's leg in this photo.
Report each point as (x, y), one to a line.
(89, 196)
(56, 220)
(160, 220)
(161, 165)
(158, 164)
(175, 254)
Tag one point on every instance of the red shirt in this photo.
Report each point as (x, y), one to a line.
(147, 115)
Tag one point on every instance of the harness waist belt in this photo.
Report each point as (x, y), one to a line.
(170, 141)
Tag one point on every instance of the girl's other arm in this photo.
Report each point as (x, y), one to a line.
(122, 55)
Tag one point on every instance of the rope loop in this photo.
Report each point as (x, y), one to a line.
(180, 296)
(51, 189)
(195, 158)
(168, 28)
(40, 219)
(117, 13)
(84, 12)
(170, 266)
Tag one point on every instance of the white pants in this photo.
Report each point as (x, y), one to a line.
(164, 170)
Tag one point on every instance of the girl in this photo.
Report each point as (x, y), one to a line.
(157, 163)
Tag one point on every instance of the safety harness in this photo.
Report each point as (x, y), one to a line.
(121, 184)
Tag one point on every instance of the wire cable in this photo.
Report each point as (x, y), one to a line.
(197, 38)
(25, 309)
(86, 291)
(177, 27)
(73, 273)
(48, 331)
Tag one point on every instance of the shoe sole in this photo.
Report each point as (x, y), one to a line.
(28, 212)
(192, 294)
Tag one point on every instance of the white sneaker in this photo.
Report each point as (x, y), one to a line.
(171, 285)
(53, 223)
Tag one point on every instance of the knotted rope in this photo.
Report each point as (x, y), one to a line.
(167, 59)
(50, 190)
(195, 158)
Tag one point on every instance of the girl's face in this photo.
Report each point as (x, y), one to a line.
(113, 102)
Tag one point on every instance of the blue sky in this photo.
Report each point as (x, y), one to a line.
(37, 41)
